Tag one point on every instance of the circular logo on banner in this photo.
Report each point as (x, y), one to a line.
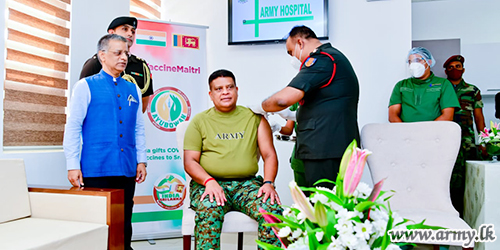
(168, 107)
(169, 192)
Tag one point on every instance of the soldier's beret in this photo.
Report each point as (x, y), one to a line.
(132, 21)
(455, 58)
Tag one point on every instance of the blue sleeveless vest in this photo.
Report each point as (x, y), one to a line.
(108, 131)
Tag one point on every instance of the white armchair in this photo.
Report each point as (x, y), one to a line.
(56, 218)
(417, 159)
(233, 221)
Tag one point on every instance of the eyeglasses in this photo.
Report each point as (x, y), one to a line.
(417, 60)
(118, 53)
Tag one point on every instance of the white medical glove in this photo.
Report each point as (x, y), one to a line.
(257, 109)
(287, 114)
(275, 127)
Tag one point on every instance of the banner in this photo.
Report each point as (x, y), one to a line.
(176, 55)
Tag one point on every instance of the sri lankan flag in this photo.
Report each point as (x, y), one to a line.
(151, 37)
(184, 41)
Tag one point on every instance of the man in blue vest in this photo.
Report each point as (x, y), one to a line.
(106, 119)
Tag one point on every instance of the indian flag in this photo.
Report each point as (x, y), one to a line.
(151, 37)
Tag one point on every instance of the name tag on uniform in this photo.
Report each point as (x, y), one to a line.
(131, 99)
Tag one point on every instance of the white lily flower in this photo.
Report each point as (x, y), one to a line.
(364, 190)
(319, 235)
(320, 197)
(287, 211)
(284, 232)
(297, 233)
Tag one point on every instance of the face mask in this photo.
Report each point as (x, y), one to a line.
(417, 70)
(296, 63)
(454, 74)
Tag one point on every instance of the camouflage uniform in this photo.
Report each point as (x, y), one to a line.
(469, 97)
(241, 196)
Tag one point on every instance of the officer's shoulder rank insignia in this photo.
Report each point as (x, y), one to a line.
(310, 62)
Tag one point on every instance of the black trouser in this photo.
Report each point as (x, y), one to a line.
(322, 169)
(118, 182)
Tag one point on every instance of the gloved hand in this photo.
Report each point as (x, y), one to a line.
(257, 109)
(275, 127)
(287, 114)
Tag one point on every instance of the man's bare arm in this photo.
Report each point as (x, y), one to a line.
(193, 167)
(196, 171)
(283, 99)
(266, 148)
(288, 128)
(446, 114)
(395, 113)
(479, 119)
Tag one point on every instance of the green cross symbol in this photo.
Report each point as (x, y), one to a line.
(258, 21)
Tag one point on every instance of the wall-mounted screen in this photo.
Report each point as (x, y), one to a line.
(268, 21)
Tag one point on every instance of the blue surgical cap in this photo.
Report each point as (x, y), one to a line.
(425, 53)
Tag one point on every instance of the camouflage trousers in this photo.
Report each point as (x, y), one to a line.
(241, 196)
(468, 151)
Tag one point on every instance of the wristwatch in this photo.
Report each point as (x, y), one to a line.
(269, 182)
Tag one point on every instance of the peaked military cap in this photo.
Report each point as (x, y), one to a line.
(132, 21)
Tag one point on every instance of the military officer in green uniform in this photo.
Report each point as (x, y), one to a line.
(137, 70)
(328, 91)
(424, 96)
(470, 111)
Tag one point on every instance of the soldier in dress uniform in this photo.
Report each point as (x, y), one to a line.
(328, 91)
(137, 70)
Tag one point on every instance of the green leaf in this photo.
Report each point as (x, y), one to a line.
(311, 233)
(377, 242)
(402, 222)
(267, 246)
(332, 221)
(331, 196)
(363, 206)
(288, 221)
(421, 225)
(323, 181)
(323, 246)
(386, 240)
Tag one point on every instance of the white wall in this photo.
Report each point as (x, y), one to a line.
(89, 21)
(375, 36)
(476, 24)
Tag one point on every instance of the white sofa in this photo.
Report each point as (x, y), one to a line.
(41, 220)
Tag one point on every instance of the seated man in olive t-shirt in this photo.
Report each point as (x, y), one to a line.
(220, 154)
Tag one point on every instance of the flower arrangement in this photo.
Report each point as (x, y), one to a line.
(349, 216)
(490, 135)
(491, 139)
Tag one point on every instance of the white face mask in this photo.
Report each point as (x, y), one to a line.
(296, 63)
(417, 70)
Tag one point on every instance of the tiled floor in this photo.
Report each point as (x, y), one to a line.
(228, 242)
